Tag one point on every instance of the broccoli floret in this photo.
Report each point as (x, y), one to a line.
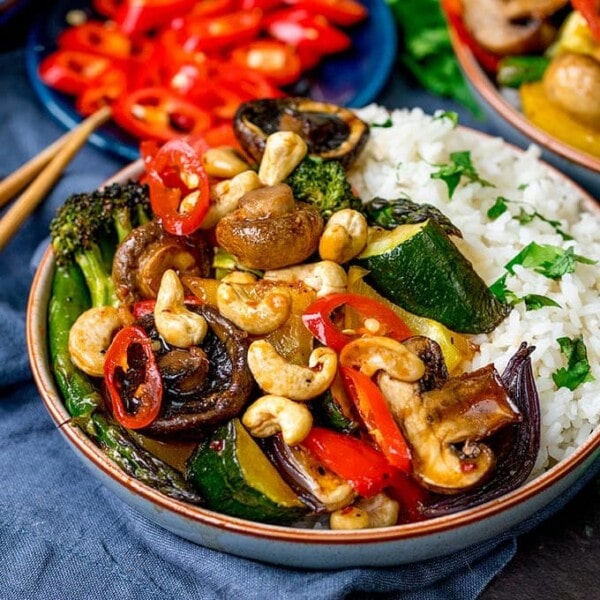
(323, 183)
(87, 227)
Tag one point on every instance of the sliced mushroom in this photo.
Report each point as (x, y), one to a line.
(503, 32)
(270, 230)
(147, 252)
(572, 81)
(444, 426)
(205, 385)
(330, 131)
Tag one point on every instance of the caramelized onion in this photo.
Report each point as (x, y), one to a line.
(516, 446)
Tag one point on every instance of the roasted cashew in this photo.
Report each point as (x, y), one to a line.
(379, 353)
(176, 324)
(382, 510)
(223, 162)
(239, 277)
(284, 150)
(350, 517)
(225, 196)
(90, 336)
(367, 513)
(256, 317)
(344, 237)
(325, 277)
(277, 376)
(270, 414)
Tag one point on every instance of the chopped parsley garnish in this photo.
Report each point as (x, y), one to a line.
(531, 301)
(550, 261)
(460, 166)
(500, 206)
(387, 123)
(448, 114)
(578, 369)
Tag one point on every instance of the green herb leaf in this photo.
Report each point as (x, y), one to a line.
(499, 289)
(532, 301)
(535, 302)
(499, 208)
(448, 114)
(550, 261)
(578, 369)
(385, 124)
(460, 165)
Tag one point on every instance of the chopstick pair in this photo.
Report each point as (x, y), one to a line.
(42, 171)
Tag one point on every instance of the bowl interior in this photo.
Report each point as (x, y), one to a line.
(293, 546)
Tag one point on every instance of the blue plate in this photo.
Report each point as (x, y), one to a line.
(353, 78)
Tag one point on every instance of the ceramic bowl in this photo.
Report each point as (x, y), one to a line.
(516, 128)
(298, 547)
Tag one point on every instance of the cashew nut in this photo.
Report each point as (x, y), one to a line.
(174, 322)
(325, 277)
(381, 509)
(277, 376)
(271, 414)
(257, 317)
(377, 511)
(239, 277)
(284, 150)
(223, 162)
(225, 196)
(350, 517)
(90, 336)
(344, 237)
(372, 354)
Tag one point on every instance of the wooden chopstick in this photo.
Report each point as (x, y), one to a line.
(55, 159)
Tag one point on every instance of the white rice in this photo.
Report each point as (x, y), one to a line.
(399, 160)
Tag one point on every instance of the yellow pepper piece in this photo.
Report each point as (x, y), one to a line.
(557, 122)
(456, 348)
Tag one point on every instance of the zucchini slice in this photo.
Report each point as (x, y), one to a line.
(236, 478)
(418, 267)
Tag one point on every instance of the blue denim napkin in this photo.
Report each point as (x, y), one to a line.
(62, 534)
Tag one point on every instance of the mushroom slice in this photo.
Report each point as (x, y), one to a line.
(270, 230)
(330, 131)
(494, 30)
(147, 252)
(444, 426)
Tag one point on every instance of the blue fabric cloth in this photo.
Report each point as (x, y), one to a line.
(62, 534)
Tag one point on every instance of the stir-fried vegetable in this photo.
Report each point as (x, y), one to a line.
(299, 389)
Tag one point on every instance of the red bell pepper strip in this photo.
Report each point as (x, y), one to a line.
(411, 496)
(71, 71)
(377, 417)
(340, 12)
(317, 319)
(590, 11)
(364, 467)
(135, 393)
(160, 114)
(179, 188)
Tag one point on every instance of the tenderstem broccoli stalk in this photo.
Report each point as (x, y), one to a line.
(84, 234)
(85, 222)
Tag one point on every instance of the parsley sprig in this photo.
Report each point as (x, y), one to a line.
(500, 206)
(578, 368)
(460, 166)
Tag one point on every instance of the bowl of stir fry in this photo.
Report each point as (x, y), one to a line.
(322, 347)
(535, 68)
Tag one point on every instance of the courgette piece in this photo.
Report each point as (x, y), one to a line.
(418, 267)
(236, 478)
